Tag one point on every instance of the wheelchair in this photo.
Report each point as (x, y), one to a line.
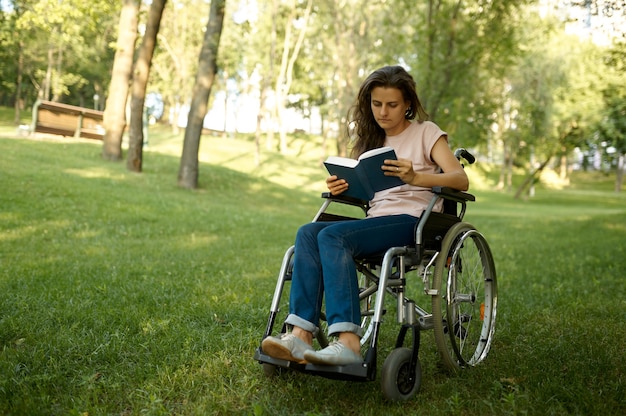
(453, 262)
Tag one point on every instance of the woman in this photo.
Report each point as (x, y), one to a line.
(324, 251)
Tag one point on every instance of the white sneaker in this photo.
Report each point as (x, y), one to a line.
(286, 347)
(335, 354)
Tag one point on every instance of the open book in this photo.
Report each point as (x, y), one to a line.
(364, 176)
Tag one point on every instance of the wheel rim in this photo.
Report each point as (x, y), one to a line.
(406, 379)
(471, 299)
(464, 307)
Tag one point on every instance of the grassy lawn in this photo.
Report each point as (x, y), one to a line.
(122, 294)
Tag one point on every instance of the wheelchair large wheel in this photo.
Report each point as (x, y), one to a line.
(400, 381)
(464, 308)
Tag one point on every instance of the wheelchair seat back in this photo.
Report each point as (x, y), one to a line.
(435, 229)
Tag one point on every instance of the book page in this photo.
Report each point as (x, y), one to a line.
(375, 152)
(364, 176)
(342, 161)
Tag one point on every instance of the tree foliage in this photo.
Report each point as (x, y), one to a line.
(612, 126)
(65, 46)
(506, 78)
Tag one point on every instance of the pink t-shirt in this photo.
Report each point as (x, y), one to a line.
(414, 143)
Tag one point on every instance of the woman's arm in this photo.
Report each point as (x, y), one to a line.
(453, 174)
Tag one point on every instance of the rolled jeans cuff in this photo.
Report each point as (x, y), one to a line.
(295, 320)
(339, 327)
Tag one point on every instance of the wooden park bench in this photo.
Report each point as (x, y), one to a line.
(67, 120)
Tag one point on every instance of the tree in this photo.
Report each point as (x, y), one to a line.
(555, 97)
(176, 55)
(612, 127)
(53, 49)
(140, 82)
(93, 57)
(11, 50)
(346, 43)
(115, 111)
(353, 30)
(464, 51)
(288, 58)
(207, 68)
(52, 23)
(249, 48)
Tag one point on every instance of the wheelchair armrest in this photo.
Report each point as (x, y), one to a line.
(323, 215)
(346, 200)
(453, 194)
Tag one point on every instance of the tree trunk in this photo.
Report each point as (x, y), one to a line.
(530, 178)
(259, 122)
(506, 167)
(347, 65)
(509, 170)
(44, 92)
(115, 109)
(620, 172)
(271, 119)
(207, 68)
(285, 76)
(56, 83)
(18, 83)
(140, 81)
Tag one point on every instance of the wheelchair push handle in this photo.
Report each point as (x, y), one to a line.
(463, 153)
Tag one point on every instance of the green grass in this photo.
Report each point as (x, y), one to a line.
(122, 294)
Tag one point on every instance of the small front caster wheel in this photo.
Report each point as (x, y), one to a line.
(399, 380)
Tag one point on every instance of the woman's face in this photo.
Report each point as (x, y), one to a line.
(388, 106)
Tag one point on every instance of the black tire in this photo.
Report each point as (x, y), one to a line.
(464, 308)
(399, 381)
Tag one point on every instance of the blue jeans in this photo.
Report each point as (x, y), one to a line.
(324, 265)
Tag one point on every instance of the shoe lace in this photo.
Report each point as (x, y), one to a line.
(336, 347)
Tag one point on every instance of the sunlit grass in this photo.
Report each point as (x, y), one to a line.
(122, 294)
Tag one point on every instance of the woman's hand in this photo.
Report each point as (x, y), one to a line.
(402, 168)
(336, 185)
(453, 174)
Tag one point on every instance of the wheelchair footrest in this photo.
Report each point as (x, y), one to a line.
(266, 359)
(351, 372)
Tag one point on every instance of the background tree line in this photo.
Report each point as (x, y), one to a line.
(507, 78)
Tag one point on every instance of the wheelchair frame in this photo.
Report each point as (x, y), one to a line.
(456, 267)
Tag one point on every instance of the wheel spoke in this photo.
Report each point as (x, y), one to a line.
(466, 307)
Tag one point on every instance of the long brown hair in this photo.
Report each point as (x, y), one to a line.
(361, 122)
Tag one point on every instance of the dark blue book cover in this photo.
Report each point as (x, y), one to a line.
(365, 175)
